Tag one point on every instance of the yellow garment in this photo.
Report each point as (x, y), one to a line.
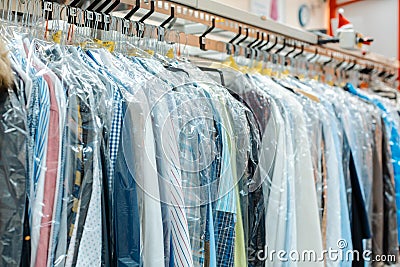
(240, 246)
(240, 258)
(310, 96)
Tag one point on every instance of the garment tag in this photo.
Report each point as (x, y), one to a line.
(107, 19)
(170, 53)
(233, 63)
(89, 15)
(97, 41)
(83, 44)
(267, 72)
(99, 17)
(127, 24)
(244, 69)
(258, 67)
(109, 45)
(151, 52)
(72, 12)
(132, 52)
(48, 6)
(56, 37)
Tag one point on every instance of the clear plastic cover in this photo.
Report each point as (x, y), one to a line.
(147, 161)
(67, 198)
(13, 166)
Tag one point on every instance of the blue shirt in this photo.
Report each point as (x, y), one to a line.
(394, 138)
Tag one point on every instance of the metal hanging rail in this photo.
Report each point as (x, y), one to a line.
(230, 19)
(205, 10)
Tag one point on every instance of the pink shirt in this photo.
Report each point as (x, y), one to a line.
(50, 177)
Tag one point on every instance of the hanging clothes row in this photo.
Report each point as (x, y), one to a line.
(117, 159)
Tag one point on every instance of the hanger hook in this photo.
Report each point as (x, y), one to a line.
(291, 51)
(276, 42)
(202, 38)
(255, 40)
(259, 42)
(113, 6)
(283, 47)
(340, 63)
(245, 37)
(103, 6)
(299, 53)
(352, 66)
(133, 11)
(148, 14)
(329, 61)
(261, 46)
(171, 16)
(314, 56)
(94, 4)
(75, 3)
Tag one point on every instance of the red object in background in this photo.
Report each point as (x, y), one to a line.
(343, 22)
(274, 10)
(398, 43)
(333, 6)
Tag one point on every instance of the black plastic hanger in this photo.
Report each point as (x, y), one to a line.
(94, 4)
(249, 46)
(111, 8)
(259, 42)
(230, 43)
(74, 3)
(382, 73)
(261, 46)
(391, 75)
(245, 37)
(174, 69)
(102, 6)
(133, 11)
(283, 47)
(171, 17)
(148, 14)
(329, 61)
(340, 64)
(236, 36)
(276, 42)
(221, 74)
(299, 53)
(352, 66)
(255, 40)
(291, 51)
(314, 56)
(202, 38)
(161, 28)
(366, 70)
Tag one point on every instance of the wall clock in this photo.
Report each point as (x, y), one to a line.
(304, 15)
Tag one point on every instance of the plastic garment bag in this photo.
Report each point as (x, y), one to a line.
(390, 136)
(140, 138)
(303, 199)
(160, 99)
(12, 176)
(77, 201)
(335, 222)
(257, 167)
